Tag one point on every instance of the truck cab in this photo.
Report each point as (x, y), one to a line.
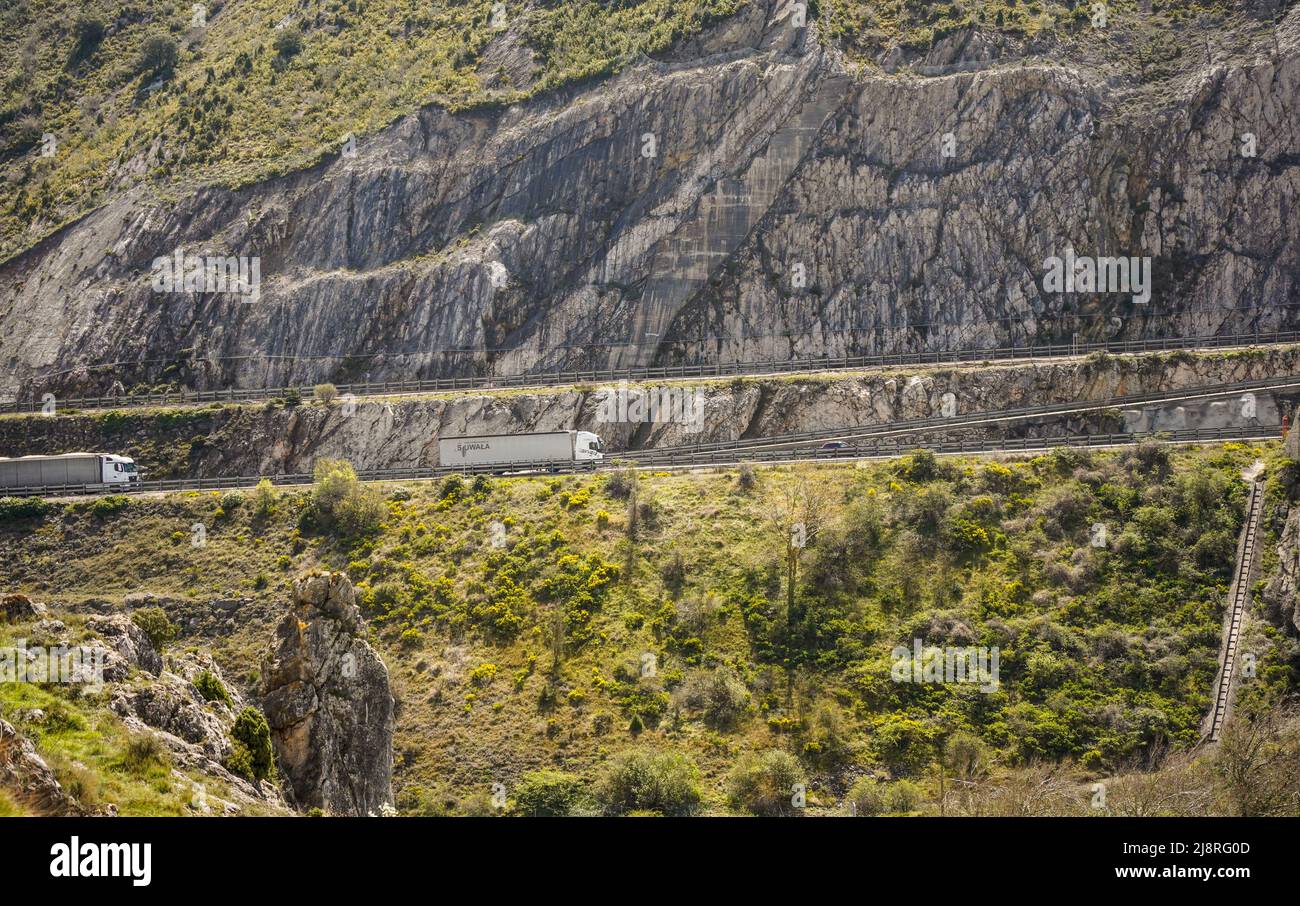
(587, 447)
(119, 469)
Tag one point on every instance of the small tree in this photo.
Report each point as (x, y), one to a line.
(158, 56)
(155, 624)
(339, 500)
(212, 688)
(658, 781)
(288, 42)
(89, 32)
(326, 393)
(251, 738)
(263, 498)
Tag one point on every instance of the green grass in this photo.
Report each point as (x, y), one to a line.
(868, 27)
(1105, 652)
(95, 758)
(9, 808)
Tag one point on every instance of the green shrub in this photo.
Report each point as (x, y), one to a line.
(869, 798)
(89, 32)
(764, 783)
(647, 780)
(483, 674)
(827, 739)
(158, 56)
(12, 508)
(452, 488)
(107, 506)
(619, 483)
(921, 465)
(212, 689)
(143, 753)
(720, 695)
(240, 761)
(251, 738)
(339, 500)
(263, 498)
(288, 42)
(547, 794)
(326, 393)
(745, 478)
(155, 624)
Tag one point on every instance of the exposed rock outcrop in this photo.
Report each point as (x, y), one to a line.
(25, 773)
(328, 702)
(785, 204)
(1282, 593)
(403, 432)
(195, 730)
(128, 640)
(20, 607)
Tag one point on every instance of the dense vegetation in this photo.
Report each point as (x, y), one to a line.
(631, 643)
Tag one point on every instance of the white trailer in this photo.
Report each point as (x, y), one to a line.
(520, 450)
(99, 471)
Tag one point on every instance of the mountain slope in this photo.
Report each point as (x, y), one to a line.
(750, 193)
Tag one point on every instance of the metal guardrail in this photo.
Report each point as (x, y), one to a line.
(931, 425)
(881, 449)
(892, 447)
(670, 372)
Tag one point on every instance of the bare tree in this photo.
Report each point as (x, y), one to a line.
(1256, 759)
(797, 514)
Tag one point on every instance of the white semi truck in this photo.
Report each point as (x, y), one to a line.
(521, 450)
(95, 471)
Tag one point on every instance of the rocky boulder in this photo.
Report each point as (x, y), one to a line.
(328, 702)
(26, 773)
(19, 607)
(172, 704)
(128, 640)
(1282, 593)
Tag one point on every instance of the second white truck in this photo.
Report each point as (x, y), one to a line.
(521, 450)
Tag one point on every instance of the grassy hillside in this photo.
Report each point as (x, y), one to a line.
(135, 91)
(95, 757)
(618, 627)
(866, 27)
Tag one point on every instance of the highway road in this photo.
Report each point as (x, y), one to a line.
(993, 356)
(886, 448)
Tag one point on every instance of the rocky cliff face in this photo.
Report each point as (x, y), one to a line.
(1282, 593)
(404, 432)
(328, 703)
(748, 196)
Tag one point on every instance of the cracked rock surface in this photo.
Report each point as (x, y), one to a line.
(328, 702)
(662, 216)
